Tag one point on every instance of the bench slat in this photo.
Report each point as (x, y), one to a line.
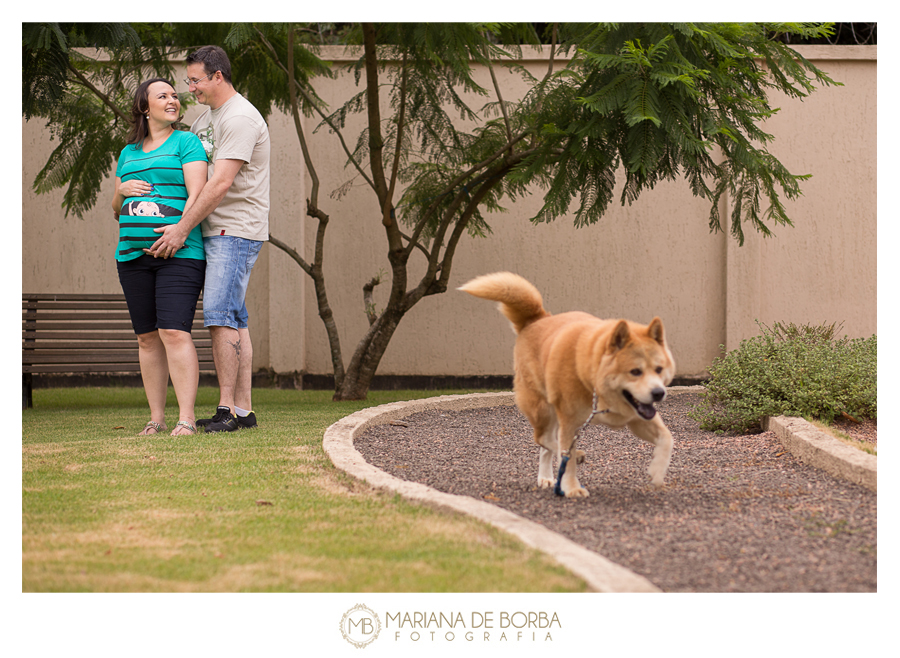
(74, 326)
(73, 306)
(99, 333)
(77, 297)
(94, 368)
(96, 346)
(33, 307)
(115, 356)
(85, 297)
(80, 326)
(103, 317)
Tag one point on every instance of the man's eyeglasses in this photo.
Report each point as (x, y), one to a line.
(191, 81)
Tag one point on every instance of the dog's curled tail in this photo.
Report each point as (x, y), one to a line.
(520, 301)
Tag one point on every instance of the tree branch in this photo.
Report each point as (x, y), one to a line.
(298, 126)
(369, 301)
(446, 264)
(509, 137)
(429, 284)
(99, 94)
(386, 209)
(552, 54)
(540, 103)
(376, 141)
(309, 99)
(480, 187)
(416, 244)
(292, 253)
(376, 161)
(456, 182)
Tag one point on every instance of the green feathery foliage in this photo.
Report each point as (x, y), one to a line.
(670, 100)
(259, 77)
(659, 101)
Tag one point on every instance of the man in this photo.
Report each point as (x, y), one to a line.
(234, 210)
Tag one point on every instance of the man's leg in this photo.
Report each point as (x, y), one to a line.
(242, 397)
(230, 360)
(229, 263)
(233, 356)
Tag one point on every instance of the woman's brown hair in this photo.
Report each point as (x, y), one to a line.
(139, 125)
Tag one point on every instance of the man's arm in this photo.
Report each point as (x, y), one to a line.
(194, 181)
(174, 236)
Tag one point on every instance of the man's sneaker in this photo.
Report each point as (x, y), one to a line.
(203, 422)
(247, 422)
(223, 421)
(244, 422)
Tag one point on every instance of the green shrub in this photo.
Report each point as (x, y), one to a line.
(792, 371)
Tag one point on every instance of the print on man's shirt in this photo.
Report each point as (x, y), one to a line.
(209, 141)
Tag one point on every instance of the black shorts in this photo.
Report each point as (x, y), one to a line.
(161, 293)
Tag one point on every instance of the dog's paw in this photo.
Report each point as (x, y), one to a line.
(657, 484)
(578, 492)
(546, 483)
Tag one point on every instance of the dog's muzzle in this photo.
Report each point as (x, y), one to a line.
(644, 410)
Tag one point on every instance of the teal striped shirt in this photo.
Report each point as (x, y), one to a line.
(162, 167)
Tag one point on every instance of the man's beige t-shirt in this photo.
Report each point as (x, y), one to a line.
(236, 131)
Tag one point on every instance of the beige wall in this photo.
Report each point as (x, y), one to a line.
(655, 257)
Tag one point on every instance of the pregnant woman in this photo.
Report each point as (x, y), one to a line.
(159, 175)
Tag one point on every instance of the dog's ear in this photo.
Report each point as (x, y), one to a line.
(656, 331)
(621, 335)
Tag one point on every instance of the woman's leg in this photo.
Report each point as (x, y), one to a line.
(138, 279)
(178, 286)
(184, 371)
(155, 375)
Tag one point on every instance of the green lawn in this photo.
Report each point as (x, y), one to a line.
(104, 510)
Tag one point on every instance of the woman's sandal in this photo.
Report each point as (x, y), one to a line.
(153, 425)
(183, 423)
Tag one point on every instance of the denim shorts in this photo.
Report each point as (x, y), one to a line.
(229, 260)
(161, 293)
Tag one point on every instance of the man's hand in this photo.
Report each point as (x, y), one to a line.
(174, 236)
(172, 239)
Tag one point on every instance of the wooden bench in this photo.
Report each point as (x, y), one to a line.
(81, 333)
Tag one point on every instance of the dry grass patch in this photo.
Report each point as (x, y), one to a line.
(859, 444)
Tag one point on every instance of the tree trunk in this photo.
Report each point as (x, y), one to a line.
(368, 355)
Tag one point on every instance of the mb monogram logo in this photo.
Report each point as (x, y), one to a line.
(360, 626)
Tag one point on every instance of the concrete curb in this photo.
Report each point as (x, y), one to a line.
(600, 574)
(816, 448)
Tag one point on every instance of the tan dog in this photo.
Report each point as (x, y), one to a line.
(574, 367)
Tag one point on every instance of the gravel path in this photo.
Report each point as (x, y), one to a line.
(738, 513)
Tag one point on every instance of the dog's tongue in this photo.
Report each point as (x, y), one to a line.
(646, 411)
